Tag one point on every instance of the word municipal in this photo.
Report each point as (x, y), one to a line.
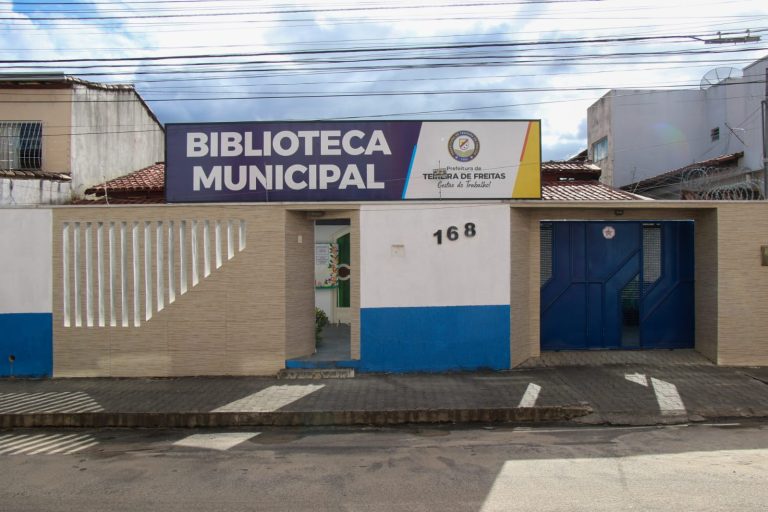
(285, 143)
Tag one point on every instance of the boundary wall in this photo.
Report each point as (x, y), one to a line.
(160, 291)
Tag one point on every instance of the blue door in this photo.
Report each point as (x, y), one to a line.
(617, 285)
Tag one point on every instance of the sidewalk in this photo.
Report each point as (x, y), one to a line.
(564, 389)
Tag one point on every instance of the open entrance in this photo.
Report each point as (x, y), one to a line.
(617, 285)
(333, 278)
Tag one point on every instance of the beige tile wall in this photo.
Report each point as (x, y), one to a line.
(523, 345)
(233, 322)
(299, 284)
(249, 315)
(742, 284)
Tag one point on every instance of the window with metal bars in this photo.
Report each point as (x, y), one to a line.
(652, 260)
(545, 251)
(21, 144)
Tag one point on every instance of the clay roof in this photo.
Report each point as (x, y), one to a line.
(146, 186)
(722, 161)
(555, 171)
(113, 200)
(149, 179)
(584, 191)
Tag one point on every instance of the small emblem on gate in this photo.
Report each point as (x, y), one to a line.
(609, 232)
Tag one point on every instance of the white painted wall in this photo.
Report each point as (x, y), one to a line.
(25, 261)
(15, 192)
(402, 265)
(651, 132)
(657, 131)
(113, 135)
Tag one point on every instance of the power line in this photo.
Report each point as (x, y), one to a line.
(344, 9)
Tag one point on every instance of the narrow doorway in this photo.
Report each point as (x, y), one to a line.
(332, 290)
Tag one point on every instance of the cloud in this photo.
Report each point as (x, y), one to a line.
(469, 72)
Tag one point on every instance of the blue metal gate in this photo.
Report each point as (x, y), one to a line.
(617, 285)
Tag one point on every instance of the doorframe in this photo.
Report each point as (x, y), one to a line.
(353, 215)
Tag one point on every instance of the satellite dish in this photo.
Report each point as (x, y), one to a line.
(719, 75)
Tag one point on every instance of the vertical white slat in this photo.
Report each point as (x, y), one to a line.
(100, 272)
(111, 242)
(88, 275)
(195, 275)
(230, 241)
(136, 275)
(242, 235)
(160, 281)
(218, 243)
(123, 277)
(65, 264)
(183, 257)
(171, 263)
(147, 270)
(206, 248)
(76, 274)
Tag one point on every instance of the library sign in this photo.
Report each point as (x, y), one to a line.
(352, 161)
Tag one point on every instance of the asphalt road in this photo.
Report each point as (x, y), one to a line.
(701, 467)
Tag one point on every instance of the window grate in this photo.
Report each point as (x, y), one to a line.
(651, 254)
(21, 145)
(545, 251)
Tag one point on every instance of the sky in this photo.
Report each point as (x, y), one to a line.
(248, 60)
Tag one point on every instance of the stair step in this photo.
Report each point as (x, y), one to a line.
(316, 373)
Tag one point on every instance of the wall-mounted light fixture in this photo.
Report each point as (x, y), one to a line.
(764, 255)
(618, 212)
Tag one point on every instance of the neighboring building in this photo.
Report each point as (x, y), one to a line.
(578, 180)
(60, 135)
(635, 135)
(717, 178)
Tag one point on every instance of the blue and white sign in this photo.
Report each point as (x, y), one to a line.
(352, 161)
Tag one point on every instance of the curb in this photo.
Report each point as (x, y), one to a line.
(288, 418)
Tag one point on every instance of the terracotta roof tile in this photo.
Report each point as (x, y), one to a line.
(584, 191)
(556, 171)
(149, 179)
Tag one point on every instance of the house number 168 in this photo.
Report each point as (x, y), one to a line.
(452, 233)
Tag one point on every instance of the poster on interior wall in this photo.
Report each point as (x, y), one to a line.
(326, 261)
(352, 161)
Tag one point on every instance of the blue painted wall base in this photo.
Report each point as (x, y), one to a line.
(28, 337)
(434, 339)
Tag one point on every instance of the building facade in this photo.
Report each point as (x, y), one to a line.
(429, 283)
(60, 135)
(172, 290)
(635, 135)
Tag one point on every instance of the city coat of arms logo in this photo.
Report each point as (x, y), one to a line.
(463, 146)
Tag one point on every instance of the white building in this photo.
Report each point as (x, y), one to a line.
(634, 135)
(60, 135)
